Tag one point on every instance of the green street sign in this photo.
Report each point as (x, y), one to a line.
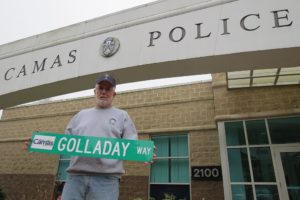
(96, 147)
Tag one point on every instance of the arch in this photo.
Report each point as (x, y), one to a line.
(162, 39)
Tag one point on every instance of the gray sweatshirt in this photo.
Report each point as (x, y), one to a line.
(110, 122)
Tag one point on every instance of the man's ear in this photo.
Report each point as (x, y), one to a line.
(94, 91)
(115, 94)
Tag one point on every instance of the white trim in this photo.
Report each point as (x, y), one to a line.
(249, 159)
(254, 183)
(278, 168)
(189, 158)
(179, 157)
(177, 183)
(245, 146)
(273, 157)
(224, 161)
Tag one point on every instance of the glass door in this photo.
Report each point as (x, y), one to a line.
(288, 170)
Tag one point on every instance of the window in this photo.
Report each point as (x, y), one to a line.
(169, 176)
(248, 155)
(264, 77)
(250, 161)
(285, 130)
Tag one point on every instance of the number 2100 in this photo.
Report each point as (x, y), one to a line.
(206, 173)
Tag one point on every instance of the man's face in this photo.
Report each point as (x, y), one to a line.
(104, 93)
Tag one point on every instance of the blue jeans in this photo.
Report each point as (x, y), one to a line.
(91, 187)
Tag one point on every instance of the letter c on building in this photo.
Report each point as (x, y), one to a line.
(242, 22)
(5, 76)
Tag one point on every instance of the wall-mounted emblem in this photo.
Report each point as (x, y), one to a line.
(110, 46)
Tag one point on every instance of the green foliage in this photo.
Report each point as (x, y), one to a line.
(169, 197)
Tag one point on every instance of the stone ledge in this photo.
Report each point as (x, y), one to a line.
(219, 84)
(22, 139)
(178, 129)
(263, 114)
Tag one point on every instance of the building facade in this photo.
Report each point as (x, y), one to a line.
(213, 143)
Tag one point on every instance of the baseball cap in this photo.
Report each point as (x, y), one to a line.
(108, 78)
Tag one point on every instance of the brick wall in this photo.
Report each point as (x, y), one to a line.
(207, 190)
(27, 187)
(254, 102)
(204, 147)
(134, 187)
(16, 161)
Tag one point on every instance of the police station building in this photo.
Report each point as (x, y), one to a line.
(236, 137)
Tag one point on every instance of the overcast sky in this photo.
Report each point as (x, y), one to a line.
(23, 18)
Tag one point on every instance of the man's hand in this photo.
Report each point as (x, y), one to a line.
(26, 144)
(153, 158)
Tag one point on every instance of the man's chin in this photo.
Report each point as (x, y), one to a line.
(104, 104)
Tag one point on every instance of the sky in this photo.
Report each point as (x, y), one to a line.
(24, 18)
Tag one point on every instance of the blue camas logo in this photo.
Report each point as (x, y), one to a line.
(43, 142)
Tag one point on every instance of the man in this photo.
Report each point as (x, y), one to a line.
(93, 178)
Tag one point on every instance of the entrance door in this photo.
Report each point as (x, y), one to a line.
(288, 171)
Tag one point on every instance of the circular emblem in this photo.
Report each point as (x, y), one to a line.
(112, 121)
(110, 46)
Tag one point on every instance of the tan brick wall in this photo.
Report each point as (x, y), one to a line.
(191, 109)
(134, 187)
(207, 190)
(27, 187)
(251, 102)
(204, 147)
(25, 126)
(123, 100)
(185, 114)
(16, 161)
(52, 108)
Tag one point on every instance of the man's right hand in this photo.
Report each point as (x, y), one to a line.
(26, 144)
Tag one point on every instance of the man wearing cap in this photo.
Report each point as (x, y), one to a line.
(97, 178)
